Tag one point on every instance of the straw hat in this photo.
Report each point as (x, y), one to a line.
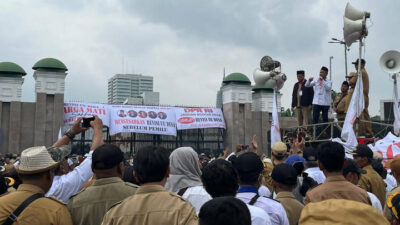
(35, 160)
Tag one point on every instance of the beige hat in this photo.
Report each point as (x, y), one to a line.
(35, 160)
(279, 149)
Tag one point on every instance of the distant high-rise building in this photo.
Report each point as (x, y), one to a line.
(123, 86)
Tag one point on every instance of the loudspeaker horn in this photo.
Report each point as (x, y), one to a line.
(355, 14)
(350, 26)
(260, 77)
(390, 61)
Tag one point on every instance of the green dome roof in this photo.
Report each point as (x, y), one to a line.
(50, 64)
(10, 68)
(237, 78)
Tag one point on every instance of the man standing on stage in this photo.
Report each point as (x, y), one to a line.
(302, 98)
(364, 128)
(340, 102)
(322, 95)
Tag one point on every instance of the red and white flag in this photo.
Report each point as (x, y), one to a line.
(355, 109)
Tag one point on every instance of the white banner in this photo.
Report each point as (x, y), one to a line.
(80, 109)
(142, 119)
(275, 130)
(195, 118)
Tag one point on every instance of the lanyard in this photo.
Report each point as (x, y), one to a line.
(248, 189)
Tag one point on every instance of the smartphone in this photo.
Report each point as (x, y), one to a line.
(244, 147)
(86, 121)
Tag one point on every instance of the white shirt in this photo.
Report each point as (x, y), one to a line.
(316, 174)
(375, 202)
(273, 208)
(264, 191)
(69, 184)
(390, 182)
(197, 196)
(322, 93)
(258, 216)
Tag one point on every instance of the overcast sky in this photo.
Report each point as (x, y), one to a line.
(186, 44)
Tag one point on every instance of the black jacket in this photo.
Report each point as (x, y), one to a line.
(307, 97)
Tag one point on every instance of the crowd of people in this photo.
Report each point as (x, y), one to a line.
(312, 97)
(307, 186)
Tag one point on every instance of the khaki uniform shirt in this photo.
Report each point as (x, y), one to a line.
(386, 211)
(372, 182)
(90, 205)
(152, 205)
(41, 211)
(339, 105)
(291, 205)
(336, 187)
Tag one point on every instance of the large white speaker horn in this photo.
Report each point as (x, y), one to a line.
(355, 14)
(260, 77)
(390, 61)
(351, 26)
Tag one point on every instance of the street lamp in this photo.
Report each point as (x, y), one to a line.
(336, 41)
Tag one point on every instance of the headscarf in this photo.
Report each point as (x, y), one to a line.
(184, 169)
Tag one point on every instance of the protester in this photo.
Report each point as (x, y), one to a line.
(220, 179)
(69, 184)
(353, 173)
(310, 154)
(267, 180)
(36, 173)
(339, 103)
(331, 160)
(90, 205)
(224, 211)
(322, 95)
(364, 127)
(341, 211)
(393, 205)
(389, 180)
(152, 204)
(302, 98)
(278, 153)
(395, 167)
(250, 168)
(284, 180)
(370, 181)
(185, 177)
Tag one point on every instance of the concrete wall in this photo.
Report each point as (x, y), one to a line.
(27, 124)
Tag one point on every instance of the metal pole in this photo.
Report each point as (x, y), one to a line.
(345, 60)
(330, 67)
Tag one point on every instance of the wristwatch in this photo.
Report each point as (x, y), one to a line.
(70, 134)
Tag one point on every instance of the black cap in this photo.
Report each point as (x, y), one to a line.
(284, 174)
(363, 151)
(324, 69)
(300, 72)
(248, 162)
(106, 156)
(351, 167)
(356, 62)
(310, 154)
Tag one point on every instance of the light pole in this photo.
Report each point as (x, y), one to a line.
(336, 41)
(330, 67)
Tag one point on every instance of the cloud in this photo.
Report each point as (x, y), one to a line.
(186, 44)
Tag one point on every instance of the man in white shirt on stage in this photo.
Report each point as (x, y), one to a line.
(66, 185)
(322, 95)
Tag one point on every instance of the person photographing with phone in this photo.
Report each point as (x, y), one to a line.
(67, 184)
(322, 95)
